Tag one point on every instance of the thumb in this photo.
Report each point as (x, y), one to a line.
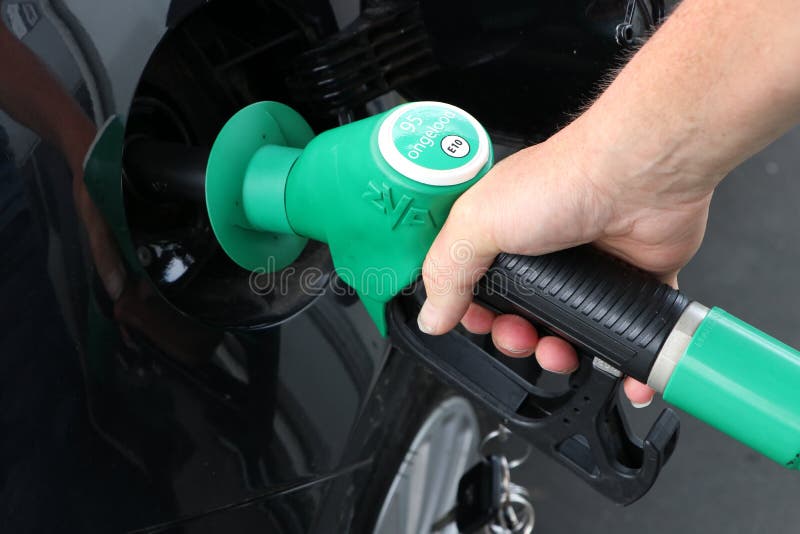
(460, 255)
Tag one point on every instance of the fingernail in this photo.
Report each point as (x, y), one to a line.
(642, 404)
(565, 371)
(514, 350)
(426, 320)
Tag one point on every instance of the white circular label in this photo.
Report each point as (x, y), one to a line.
(408, 137)
(455, 146)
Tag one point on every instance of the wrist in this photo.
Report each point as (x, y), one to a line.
(642, 162)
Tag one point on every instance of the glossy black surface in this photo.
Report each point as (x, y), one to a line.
(130, 399)
(521, 67)
(119, 411)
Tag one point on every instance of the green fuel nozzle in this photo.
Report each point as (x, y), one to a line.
(378, 190)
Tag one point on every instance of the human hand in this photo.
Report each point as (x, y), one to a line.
(553, 196)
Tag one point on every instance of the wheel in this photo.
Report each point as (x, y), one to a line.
(424, 485)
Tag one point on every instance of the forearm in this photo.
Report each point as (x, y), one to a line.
(715, 84)
(32, 96)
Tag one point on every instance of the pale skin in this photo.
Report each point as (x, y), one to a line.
(634, 174)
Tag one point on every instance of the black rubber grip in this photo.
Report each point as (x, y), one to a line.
(604, 306)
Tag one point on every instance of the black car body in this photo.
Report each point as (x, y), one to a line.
(143, 383)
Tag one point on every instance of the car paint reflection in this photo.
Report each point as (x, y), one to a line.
(119, 411)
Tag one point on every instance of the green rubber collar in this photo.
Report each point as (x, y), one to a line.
(242, 137)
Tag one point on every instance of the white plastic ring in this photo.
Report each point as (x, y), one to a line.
(424, 175)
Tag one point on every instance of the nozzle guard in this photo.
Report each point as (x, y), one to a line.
(253, 128)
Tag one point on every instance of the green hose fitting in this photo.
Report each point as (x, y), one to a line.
(743, 382)
(377, 191)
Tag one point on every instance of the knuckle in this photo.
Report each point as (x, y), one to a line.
(463, 212)
(428, 276)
